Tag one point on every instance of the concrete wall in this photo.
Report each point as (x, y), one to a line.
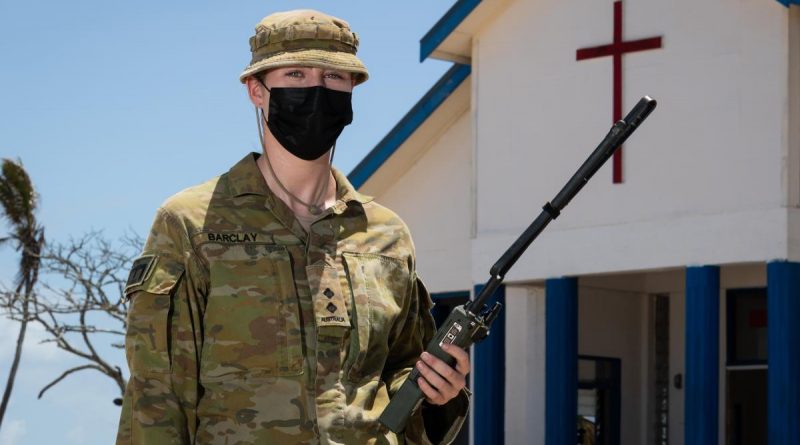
(433, 198)
(704, 180)
(792, 124)
(610, 325)
(525, 365)
(677, 359)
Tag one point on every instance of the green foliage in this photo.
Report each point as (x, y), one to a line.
(19, 201)
(17, 195)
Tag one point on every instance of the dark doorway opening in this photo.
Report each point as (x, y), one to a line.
(598, 400)
(746, 389)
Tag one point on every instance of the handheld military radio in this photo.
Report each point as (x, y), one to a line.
(471, 322)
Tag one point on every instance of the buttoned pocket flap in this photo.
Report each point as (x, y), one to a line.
(378, 284)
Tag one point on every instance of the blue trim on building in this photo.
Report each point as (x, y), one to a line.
(436, 296)
(561, 360)
(445, 26)
(445, 302)
(489, 367)
(420, 112)
(789, 2)
(783, 352)
(701, 403)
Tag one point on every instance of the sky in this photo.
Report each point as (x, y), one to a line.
(112, 107)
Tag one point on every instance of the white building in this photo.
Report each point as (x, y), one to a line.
(647, 306)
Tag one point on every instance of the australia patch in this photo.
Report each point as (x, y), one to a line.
(141, 266)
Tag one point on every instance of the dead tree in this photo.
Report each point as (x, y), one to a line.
(79, 301)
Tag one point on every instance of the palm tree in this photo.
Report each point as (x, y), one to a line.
(19, 201)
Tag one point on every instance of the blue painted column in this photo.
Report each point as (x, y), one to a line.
(701, 403)
(561, 361)
(489, 380)
(783, 354)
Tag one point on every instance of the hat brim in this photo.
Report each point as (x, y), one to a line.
(319, 58)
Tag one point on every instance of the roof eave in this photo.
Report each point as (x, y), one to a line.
(451, 37)
(409, 124)
(443, 28)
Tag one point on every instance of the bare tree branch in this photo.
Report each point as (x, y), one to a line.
(91, 272)
(64, 374)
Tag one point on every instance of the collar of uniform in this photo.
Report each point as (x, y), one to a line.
(345, 190)
(246, 179)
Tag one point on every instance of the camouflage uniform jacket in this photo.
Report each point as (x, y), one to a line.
(243, 328)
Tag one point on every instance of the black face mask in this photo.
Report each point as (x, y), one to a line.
(307, 121)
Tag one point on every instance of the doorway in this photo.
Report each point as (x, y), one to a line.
(746, 366)
(598, 400)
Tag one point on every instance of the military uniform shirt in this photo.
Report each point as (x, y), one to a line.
(243, 328)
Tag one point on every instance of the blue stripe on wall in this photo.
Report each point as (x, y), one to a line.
(783, 374)
(444, 302)
(489, 366)
(561, 361)
(445, 26)
(418, 114)
(436, 296)
(789, 2)
(702, 355)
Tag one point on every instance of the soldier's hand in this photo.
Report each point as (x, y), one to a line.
(439, 381)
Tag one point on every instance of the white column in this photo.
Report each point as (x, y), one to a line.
(525, 361)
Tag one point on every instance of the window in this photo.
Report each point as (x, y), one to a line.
(747, 326)
(746, 383)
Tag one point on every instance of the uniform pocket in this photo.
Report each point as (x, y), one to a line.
(252, 321)
(149, 293)
(378, 285)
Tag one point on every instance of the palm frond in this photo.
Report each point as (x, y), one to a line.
(17, 195)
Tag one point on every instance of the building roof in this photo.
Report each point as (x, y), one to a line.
(444, 28)
(449, 39)
(409, 124)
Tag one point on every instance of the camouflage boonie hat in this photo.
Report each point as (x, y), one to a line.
(304, 37)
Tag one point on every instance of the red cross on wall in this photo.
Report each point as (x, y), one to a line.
(616, 49)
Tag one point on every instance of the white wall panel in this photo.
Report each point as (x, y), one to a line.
(713, 148)
(525, 365)
(433, 198)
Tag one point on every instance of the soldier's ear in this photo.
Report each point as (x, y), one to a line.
(256, 92)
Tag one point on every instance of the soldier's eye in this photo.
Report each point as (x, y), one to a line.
(334, 76)
(295, 73)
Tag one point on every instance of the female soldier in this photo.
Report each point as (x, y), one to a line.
(274, 303)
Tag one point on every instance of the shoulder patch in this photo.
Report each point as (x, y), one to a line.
(140, 270)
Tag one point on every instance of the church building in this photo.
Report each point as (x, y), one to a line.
(663, 305)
